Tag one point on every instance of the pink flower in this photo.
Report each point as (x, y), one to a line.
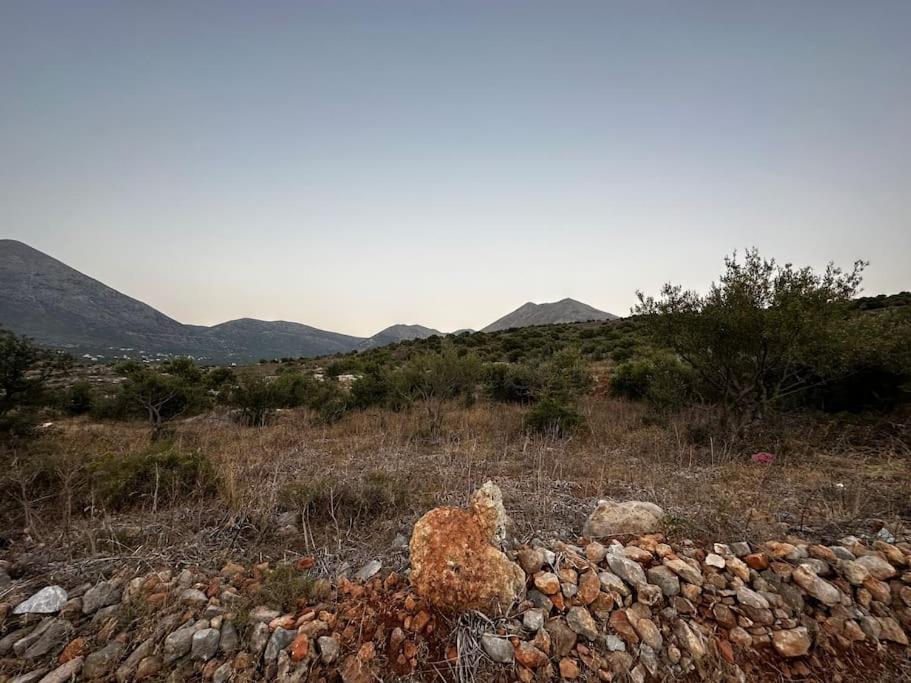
(763, 458)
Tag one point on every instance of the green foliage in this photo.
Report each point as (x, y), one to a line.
(512, 383)
(554, 415)
(79, 398)
(660, 379)
(162, 396)
(257, 400)
(753, 336)
(24, 369)
(163, 474)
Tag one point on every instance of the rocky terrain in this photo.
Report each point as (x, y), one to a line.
(621, 603)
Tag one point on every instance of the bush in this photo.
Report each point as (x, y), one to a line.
(512, 383)
(555, 416)
(162, 474)
(256, 399)
(79, 399)
(661, 380)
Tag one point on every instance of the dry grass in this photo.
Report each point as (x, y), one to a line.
(829, 479)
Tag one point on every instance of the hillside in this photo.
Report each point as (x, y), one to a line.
(563, 311)
(397, 333)
(60, 307)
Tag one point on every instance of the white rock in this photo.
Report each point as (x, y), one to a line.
(46, 601)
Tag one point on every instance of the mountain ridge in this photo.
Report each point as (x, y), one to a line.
(566, 310)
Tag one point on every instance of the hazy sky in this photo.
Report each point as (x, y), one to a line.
(350, 165)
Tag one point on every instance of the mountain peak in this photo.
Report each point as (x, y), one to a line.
(564, 311)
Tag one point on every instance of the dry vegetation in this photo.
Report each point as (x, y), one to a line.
(364, 480)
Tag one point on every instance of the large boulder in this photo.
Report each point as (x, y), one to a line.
(629, 517)
(456, 561)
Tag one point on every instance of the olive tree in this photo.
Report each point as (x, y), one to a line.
(762, 332)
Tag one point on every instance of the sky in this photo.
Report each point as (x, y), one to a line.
(350, 165)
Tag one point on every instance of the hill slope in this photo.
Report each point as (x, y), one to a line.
(564, 311)
(397, 333)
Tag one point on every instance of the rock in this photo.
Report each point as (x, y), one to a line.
(126, 670)
(819, 588)
(178, 644)
(205, 644)
(368, 570)
(589, 587)
(300, 648)
(891, 630)
(569, 669)
(649, 633)
(530, 656)
(101, 595)
(580, 621)
(665, 579)
(793, 642)
(684, 570)
(530, 559)
(30, 677)
(193, 596)
(46, 601)
(547, 582)
(223, 673)
(626, 569)
(613, 643)
(713, 560)
(499, 649)
(148, 666)
(455, 565)
(533, 619)
(595, 552)
(611, 583)
(229, 640)
(877, 566)
(740, 637)
(630, 517)
(563, 638)
(65, 672)
(690, 639)
(102, 662)
(52, 640)
(854, 572)
(329, 649)
(263, 614)
(648, 594)
(751, 598)
(281, 638)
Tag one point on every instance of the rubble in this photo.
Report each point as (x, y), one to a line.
(641, 607)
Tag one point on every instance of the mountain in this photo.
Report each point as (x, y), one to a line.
(564, 311)
(397, 333)
(60, 307)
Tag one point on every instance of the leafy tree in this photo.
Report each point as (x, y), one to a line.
(752, 338)
(257, 400)
(160, 396)
(24, 369)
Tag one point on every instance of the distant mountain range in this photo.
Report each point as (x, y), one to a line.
(60, 307)
(563, 311)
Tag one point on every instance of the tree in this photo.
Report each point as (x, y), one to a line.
(159, 395)
(24, 369)
(763, 332)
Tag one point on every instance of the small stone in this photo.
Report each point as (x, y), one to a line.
(329, 649)
(614, 644)
(529, 656)
(751, 598)
(569, 670)
(52, 640)
(65, 672)
(629, 517)
(580, 620)
(793, 642)
(46, 601)
(547, 583)
(685, 571)
(281, 638)
(300, 648)
(595, 552)
(497, 648)
(103, 594)
(148, 666)
(611, 583)
(178, 644)
(665, 579)
(205, 644)
(819, 588)
(533, 619)
(713, 560)
(102, 662)
(193, 596)
(368, 570)
(626, 569)
(229, 641)
(690, 639)
(740, 637)
(562, 637)
(530, 559)
(223, 673)
(877, 566)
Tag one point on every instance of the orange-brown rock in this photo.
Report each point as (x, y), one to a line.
(455, 565)
(72, 650)
(300, 648)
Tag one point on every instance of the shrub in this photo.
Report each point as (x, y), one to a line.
(79, 399)
(660, 379)
(512, 383)
(159, 474)
(554, 415)
(256, 399)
